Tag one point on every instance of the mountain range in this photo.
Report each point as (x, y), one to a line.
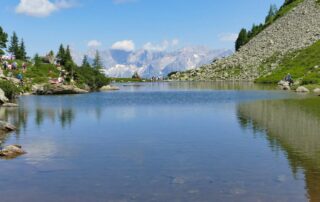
(149, 63)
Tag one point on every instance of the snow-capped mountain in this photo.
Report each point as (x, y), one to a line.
(149, 63)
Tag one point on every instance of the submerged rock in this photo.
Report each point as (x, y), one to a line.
(5, 126)
(302, 89)
(11, 151)
(109, 88)
(10, 105)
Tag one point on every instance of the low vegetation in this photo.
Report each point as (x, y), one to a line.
(303, 65)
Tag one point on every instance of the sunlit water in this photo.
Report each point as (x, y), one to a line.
(164, 142)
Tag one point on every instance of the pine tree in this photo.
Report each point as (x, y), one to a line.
(36, 60)
(271, 14)
(61, 55)
(14, 45)
(3, 40)
(68, 57)
(242, 39)
(97, 64)
(85, 62)
(22, 55)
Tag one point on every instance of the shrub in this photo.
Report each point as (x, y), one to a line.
(9, 88)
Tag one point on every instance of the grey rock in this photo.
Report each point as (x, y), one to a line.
(11, 151)
(302, 89)
(56, 89)
(109, 88)
(7, 127)
(3, 98)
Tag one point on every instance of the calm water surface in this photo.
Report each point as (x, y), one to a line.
(165, 142)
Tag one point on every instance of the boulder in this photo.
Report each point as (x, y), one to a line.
(5, 126)
(302, 89)
(3, 98)
(317, 91)
(56, 89)
(109, 88)
(10, 105)
(284, 85)
(11, 151)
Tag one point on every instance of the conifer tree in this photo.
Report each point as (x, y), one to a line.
(3, 40)
(14, 45)
(97, 64)
(61, 55)
(242, 39)
(85, 62)
(22, 55)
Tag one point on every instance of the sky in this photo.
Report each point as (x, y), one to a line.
(130, 24)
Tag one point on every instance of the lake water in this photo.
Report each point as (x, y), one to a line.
(165, 142)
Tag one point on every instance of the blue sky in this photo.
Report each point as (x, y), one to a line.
(162, 24)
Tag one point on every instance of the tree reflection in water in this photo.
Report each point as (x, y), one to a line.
(291, 126)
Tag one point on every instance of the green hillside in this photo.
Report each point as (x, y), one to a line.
(303, 65)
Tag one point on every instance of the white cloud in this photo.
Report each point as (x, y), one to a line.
(228, 37)
(126, 45)
(161, 47)
(41, 8)
(94, 44)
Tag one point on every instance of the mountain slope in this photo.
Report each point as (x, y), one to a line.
(297, 29)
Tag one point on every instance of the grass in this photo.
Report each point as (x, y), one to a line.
(303, 65)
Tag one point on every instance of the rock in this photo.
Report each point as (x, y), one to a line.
(4, 126)
(11, 151)
(302, 89)
(56, 89)
(109, 88)
(284, 85)
(317, 91)
(3, 98)
(10, 105)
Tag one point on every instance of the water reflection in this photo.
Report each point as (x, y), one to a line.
(292, 126)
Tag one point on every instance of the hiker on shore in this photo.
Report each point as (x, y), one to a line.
(289, 79)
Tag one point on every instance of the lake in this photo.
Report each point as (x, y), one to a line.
(165, 142)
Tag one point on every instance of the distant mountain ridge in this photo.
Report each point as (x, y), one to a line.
(149, 63)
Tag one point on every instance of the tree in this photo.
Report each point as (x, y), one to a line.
(136, 76)
(85, 62)
(271, 14)
(61, 55)
(36, 60)
(97, 64)
(14, 45)
(51, 57)
(22, 55)
(3, 40)
(242, 39)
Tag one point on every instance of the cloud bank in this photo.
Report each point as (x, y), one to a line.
(126, 45)
(42, 8)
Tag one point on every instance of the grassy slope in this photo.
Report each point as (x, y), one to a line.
(302, 65)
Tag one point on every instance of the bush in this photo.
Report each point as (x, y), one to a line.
(10, 89)
(91, 77)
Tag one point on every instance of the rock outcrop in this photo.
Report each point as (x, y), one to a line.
(3, 98)
(297, 29)
(56, 89)
(109, 88)
(7, 127)
(11, 151)
(302, 89)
